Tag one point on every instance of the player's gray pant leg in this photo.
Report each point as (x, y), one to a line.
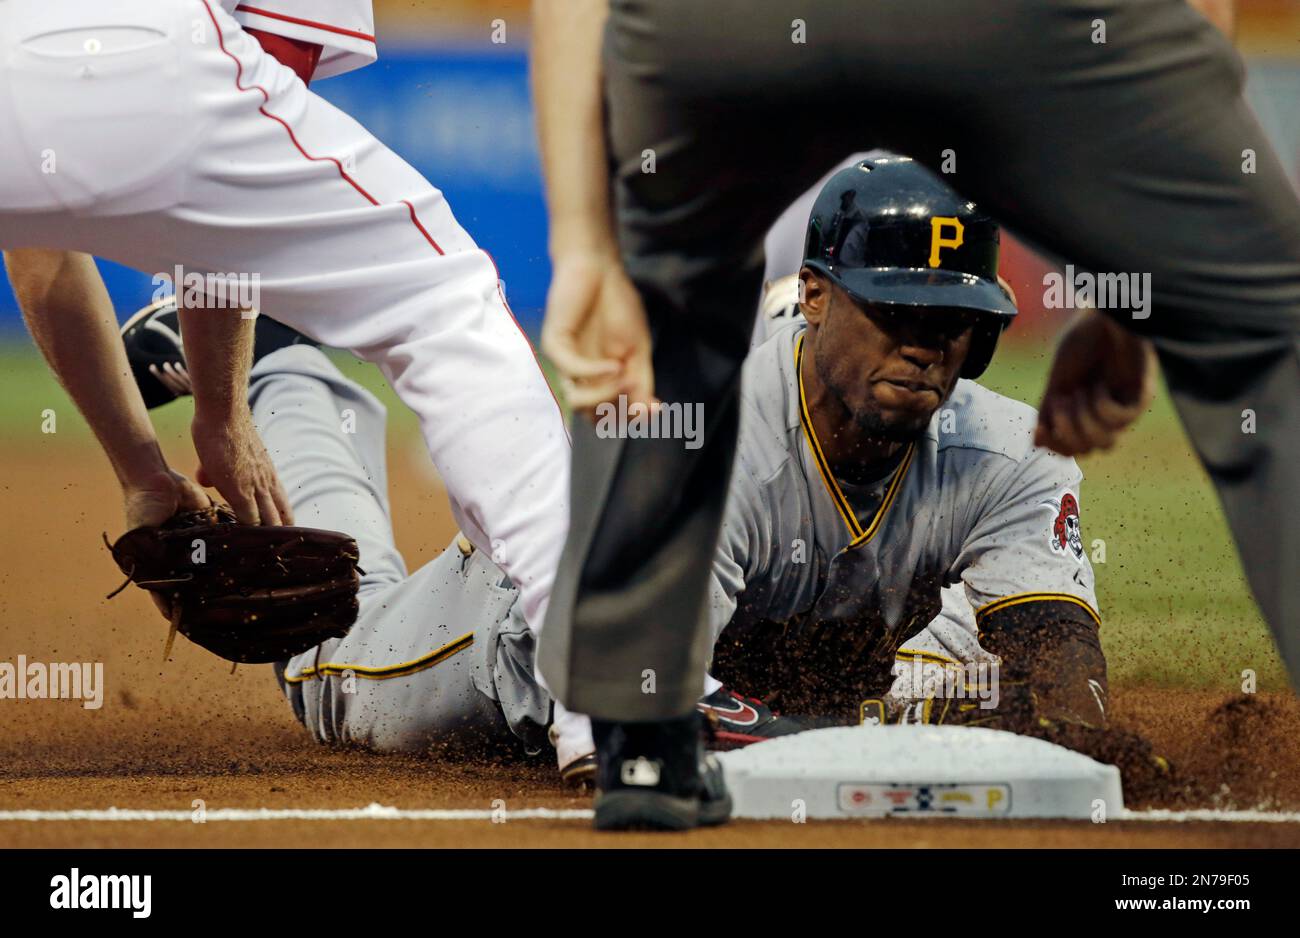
(1123, 156)
(326, 436)
(440, 657)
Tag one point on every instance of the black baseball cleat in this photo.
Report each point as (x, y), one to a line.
(738, 720)
(153, 347)
(657, 776)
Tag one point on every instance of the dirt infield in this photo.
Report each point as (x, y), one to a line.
(171, 733)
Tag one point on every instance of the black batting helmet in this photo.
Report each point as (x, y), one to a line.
(890, 232)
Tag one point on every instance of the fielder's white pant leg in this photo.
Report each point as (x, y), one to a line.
(414, 671)
(340, 237)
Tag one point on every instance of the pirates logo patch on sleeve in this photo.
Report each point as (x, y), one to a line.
(1066, 535)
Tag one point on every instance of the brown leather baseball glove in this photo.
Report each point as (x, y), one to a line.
(251, 594)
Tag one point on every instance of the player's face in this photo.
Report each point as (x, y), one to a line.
(891, 367)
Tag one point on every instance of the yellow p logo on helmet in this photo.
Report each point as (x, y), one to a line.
(937, 239)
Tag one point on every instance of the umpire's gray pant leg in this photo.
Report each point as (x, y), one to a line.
(627, 635)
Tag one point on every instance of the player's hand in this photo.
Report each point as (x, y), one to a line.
(233, 460)
(596, 333)
(155, 499)
(1103, 378)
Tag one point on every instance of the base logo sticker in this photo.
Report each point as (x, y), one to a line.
(1066, 534)
(945, 798)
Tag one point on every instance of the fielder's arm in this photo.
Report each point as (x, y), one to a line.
(595, 329)
(69, 314)
(566, 75)
(232, 457)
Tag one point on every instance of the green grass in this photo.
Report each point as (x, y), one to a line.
(1175, 605)
(27, 390)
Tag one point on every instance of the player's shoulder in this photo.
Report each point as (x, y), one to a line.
(987, 439)
(769, 412)
(980, 421)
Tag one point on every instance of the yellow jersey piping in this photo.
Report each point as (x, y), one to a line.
(386, 672)
(906, 654)
(1006, 602)
(859, 534)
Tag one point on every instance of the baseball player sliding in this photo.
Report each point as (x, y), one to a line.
(181, 133)
(847, 516)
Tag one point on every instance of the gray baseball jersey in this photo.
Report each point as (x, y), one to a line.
(971, 502)
(951, 637)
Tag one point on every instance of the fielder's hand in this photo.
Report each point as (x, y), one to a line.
(160, 496)
(1103, 378)
(596, 333)
(233, 461)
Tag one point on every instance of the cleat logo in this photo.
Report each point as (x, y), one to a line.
(742, 714)
(1098, 693)
(640, 772)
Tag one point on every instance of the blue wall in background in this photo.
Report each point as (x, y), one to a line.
(464, 120)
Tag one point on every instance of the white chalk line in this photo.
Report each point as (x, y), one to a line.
(378, 812)
(1212, 814)
(372, 812)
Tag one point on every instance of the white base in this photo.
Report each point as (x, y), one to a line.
(917, 771)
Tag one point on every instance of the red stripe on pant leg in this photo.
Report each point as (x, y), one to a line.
(266, 99)
(415, 218)
(245, 8)
(538, 361)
